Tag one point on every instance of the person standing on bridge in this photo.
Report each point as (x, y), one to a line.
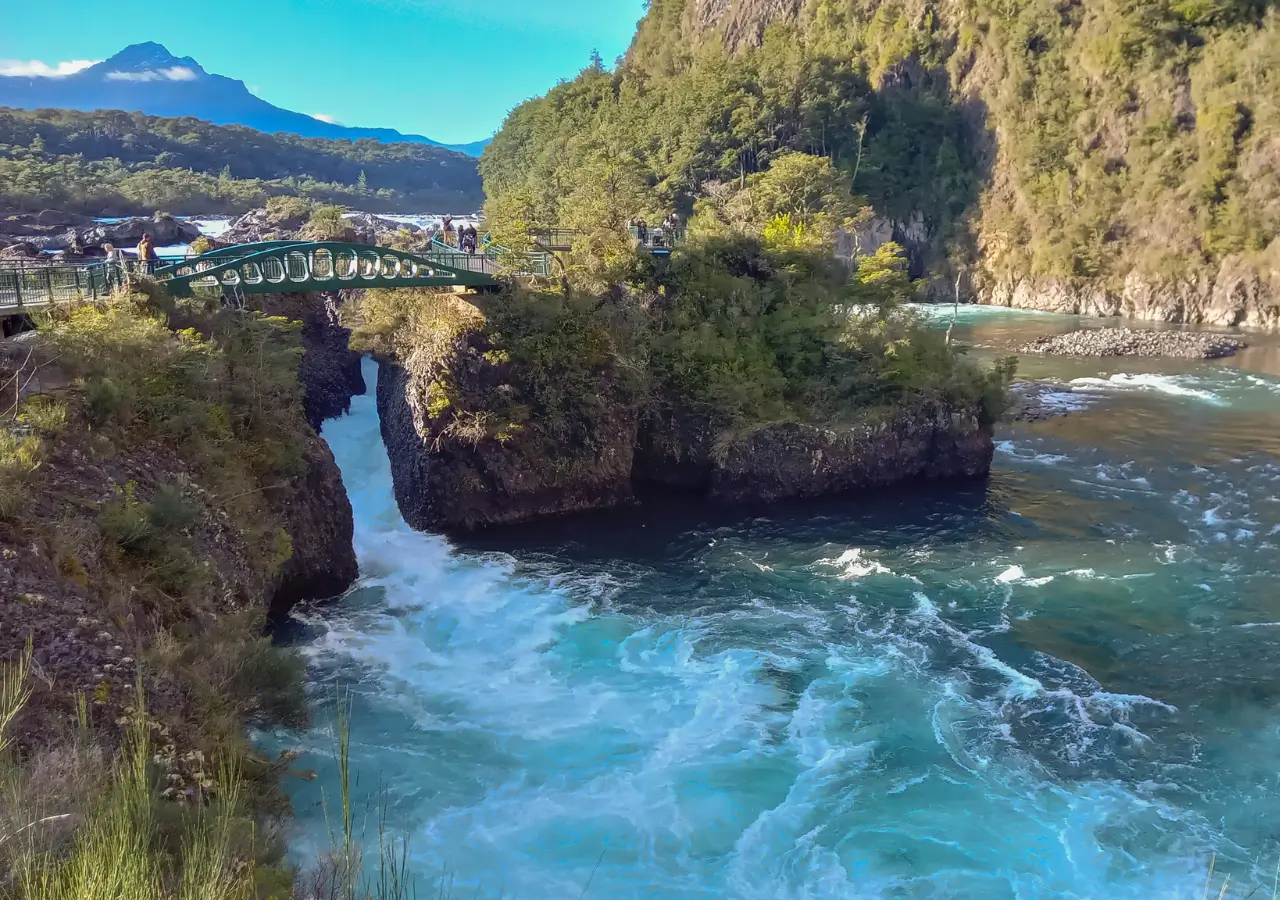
(447, 227)
(146, 255)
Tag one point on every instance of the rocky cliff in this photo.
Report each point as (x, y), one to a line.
(318, 518)
(330, 369)
(1118, 158)
(171, 506)
(446, 482)
(1238, 293)
(459, 464)
(796, 460)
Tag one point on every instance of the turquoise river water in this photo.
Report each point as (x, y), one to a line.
(1064, 682)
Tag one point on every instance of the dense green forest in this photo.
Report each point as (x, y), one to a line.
(1042, 137)
(113, 162)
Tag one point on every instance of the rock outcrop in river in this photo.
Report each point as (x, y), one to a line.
(796, 460)
(452, 471)
(542, 406)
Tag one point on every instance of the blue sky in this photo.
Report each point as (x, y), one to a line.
(448, 70)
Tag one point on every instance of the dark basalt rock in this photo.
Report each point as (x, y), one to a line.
(795, 460)
(330, 369)
(452, 481)
(164, 231)
(20, 250)
(321, 526)
(1036, 401)
(28, 224)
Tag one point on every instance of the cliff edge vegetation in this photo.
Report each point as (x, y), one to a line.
(160, 488)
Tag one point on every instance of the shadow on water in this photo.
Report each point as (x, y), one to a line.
(661, 523)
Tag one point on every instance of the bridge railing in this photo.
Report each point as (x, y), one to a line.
(490, 261)
(32, 285)
(658, 238)
(556, 238)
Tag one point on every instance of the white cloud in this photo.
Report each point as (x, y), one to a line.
(36, 69)
(325, 117)
(177, 73)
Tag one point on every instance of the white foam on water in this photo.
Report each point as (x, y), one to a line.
(1010, 575)
(214, 228)
(1171, 385)
(853, 564)
(1027, 455)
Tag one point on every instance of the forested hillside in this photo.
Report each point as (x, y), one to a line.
(1040, 141)
(118, 163)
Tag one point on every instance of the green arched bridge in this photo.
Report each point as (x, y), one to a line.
(271, 267)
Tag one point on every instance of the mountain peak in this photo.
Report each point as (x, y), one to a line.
(148, 56)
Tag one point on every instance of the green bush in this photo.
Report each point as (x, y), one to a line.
(45, 415)
(20, 457)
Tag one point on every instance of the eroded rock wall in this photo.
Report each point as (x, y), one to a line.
(452, 472)
(1238, 293)
(793, 461)
(796, 460)
(330, 370)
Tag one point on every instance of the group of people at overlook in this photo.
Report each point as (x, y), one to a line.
(464, 237)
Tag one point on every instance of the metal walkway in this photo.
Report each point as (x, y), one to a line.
(268, 267)
(280, 266)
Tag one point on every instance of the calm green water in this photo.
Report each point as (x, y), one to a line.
(1063, 683)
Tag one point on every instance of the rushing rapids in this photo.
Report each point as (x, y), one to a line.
(1063, 683)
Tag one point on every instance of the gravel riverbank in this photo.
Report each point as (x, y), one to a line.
(1130, 342)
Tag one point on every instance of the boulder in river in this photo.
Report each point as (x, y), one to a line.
(43, 223)
(1135, 342)
(164, 231)
(1036, 401)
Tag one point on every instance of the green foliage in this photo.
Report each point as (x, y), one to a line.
(752, 334)
(327, 224)
(110, 163)
(219, 388)
(201, 245)
(146, 538)
(20, 456)
(133, 845)
(1078, 140)
(289, 211)
(682, 116)
(44, 415)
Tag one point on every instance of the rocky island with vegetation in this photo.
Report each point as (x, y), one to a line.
(746, 367)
